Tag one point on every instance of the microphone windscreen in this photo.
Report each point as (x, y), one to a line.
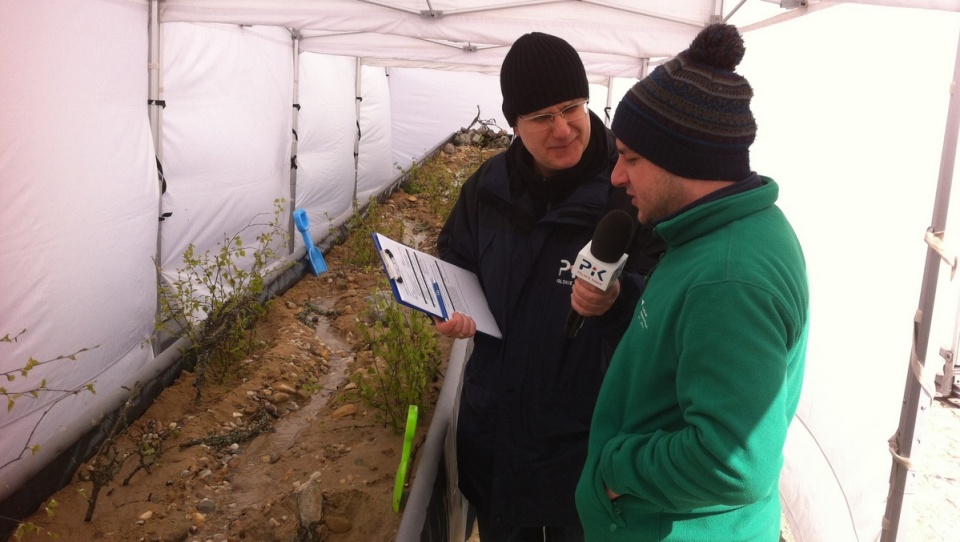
(612, 236)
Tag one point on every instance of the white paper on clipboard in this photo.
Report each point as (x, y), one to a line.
(429, 284)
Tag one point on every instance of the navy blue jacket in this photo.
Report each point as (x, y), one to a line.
(527, 398)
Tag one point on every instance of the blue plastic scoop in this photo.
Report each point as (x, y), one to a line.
(313, 253)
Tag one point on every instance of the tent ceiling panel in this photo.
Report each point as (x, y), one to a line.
(614, 37)
(313, 14)
(939, 5)
(586, 27)
(619, 33)
(372, 48)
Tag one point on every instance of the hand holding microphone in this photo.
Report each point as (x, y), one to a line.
(601, 261)
(588, 300)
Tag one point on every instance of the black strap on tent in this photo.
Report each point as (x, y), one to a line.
(296, 137)
(163, 186)
(606, 114)
(359, 135)
(163, 180)
(293, 159)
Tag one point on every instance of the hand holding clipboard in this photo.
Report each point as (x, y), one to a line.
(431, 285)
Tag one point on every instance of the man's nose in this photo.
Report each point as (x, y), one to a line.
(560, 126)
(618, 176)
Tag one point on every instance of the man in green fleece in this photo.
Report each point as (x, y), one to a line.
(686, 442)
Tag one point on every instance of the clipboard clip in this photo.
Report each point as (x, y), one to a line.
(389, 263)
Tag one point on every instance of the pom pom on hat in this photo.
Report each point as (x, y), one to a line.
(540, 70)
(691, 116)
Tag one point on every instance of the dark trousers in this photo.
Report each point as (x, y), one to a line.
(490, 532)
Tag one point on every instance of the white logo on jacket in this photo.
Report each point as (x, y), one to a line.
(565, 267)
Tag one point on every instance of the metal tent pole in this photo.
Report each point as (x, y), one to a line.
(608, 107)
(154, 111)
(153, 71)
(291, 228)
(356, 142)
(916, 397)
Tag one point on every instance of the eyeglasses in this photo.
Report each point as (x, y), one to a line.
(544, 121)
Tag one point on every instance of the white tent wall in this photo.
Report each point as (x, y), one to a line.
(375, 169)
(227, 129)
(852, 128)
(79, 221)
(429, 105)
(326, 172)
(334, 167)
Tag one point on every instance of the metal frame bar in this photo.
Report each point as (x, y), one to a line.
(916, 399)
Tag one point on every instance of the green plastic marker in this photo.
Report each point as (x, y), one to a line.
(405, 457)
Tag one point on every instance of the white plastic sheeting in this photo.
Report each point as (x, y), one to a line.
(78, 226)
(226, 132)
(327, 135)
(375, 167)
(851, 125)
(452, 98)
(337, 143)
(850, 121)
(437, 102)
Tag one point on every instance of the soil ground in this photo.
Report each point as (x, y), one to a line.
(317, 429)
(320, 443)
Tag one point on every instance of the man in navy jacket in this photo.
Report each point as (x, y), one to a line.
(519, 223)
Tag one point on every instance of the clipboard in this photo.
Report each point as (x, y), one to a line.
(428, 284)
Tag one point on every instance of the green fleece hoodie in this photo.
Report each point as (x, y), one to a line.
(693, 412)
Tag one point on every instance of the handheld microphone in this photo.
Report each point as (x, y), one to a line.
(602, 260)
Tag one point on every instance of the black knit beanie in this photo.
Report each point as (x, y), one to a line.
(691, 116)
(540, 70)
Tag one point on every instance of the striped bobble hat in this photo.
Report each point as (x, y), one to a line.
(691, 116)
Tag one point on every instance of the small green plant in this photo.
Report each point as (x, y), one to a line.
(437, 184)
(406, 358)
(148, 438)
(311, 386)
(360, 250)
(438, 187)
(414, 182)
(215, 301)
(27, 528)
(35, 389)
